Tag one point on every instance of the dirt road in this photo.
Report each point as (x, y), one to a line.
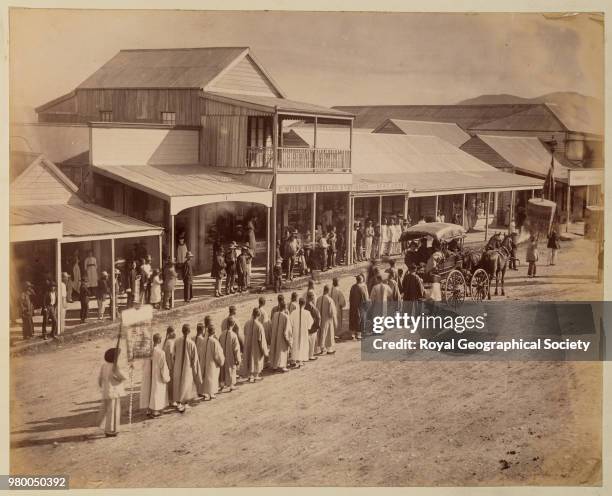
(339, 421)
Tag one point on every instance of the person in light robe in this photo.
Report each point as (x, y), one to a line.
(91, 270)
(168, 348)
(232, 320)
(263, 317)
(301, 322)
(186, 375)
(379, 296)
(255, 346)
(155, 379)
(358, 302)
(231, 351)
(210, 353)
(340, 301)
(329, 320)
(111, 381)
(281, 337)
(311, 306)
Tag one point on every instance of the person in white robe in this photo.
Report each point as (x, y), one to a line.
(281, 338)
(91, 269)
(168, 348)
(232, 320)
(340, 301)
(263, 317)
(277, 308)
(231, 352)
(210, 354)
(111, 381)
(255, 346)
(155, 378)
(186, 375)
(327, 327)
(301, 322)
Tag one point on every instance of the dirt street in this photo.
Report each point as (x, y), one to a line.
(338, 421)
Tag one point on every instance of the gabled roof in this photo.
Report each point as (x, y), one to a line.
(26, 161)
(448, 131)
(465, 116)
(168, 68)
(270, 104)
(479, 149)
(535, 118)
(526, 153)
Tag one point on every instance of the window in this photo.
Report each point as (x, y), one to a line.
(106, 115)
(168, 118)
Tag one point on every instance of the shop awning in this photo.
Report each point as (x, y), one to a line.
(79, 221)
(187, 185)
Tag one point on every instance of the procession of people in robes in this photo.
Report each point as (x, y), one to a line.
(184, 370)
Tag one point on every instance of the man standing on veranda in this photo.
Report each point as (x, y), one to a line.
(187, 373)
(336, 294)
(281, 337)
(155, 378)
(301, 322)
(329, 321)
(255, 346)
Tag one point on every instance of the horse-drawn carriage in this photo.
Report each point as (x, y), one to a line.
(442, 256)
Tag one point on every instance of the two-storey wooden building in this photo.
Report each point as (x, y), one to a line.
(191, 140)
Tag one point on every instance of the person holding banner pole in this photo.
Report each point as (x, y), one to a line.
(186, 374)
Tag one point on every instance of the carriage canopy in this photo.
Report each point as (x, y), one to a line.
(441, 231)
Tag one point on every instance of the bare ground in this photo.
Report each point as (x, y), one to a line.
(339, 421)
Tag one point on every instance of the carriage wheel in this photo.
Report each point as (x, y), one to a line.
(455, 289)
(479, 285)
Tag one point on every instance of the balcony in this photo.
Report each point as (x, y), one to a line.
(300, 159)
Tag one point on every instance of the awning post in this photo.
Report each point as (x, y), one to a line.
(171, 251)
(271, 249)
(568, 205)
(113, 282)
(349, 231)
(512, 200)
(463, 211)
(436, 209)
(313, 214)
(488, 205)
(58, 278)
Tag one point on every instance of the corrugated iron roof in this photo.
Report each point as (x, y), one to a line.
(536, 118)
(80, 219)
(282, 104)
(448, 131)
(479, 149)
(465, 116)
(525, 153)
(395, 153)
(163, 68)
(171, 181)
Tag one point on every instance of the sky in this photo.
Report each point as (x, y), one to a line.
(338, 58)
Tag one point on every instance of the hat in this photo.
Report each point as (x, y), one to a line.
(233, 244)
(279, 260)
(188, 255)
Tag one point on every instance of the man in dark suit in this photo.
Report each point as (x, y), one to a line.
(49, 310)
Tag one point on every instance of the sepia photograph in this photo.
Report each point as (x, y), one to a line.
(215, 215)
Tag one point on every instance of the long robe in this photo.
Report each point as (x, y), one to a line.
(358, 300)
(326, 332)
(237, 330)
(379, 295)
(255, 346)
(340, 302)
(91, 269)
(155, 378)
(281, 339)
(231, 351)
(301, 322)
(210, 354)
(265, 322)
(169, 352)
(186, 370)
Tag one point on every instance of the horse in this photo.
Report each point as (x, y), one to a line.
(495, 261)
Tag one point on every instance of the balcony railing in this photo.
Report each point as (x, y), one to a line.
(299, 159)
